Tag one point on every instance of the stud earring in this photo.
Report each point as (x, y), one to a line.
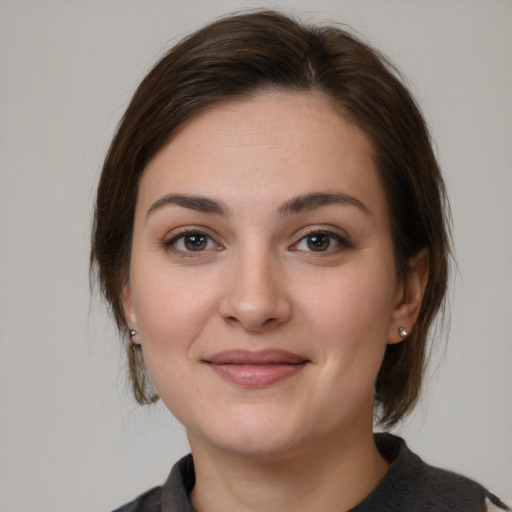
(403, 332)
(132, 332)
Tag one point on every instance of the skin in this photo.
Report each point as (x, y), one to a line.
(256, 280)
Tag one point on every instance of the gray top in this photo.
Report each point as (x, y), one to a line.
(409, 485)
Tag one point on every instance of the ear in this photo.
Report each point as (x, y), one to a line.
(409, 297)
(129, 310)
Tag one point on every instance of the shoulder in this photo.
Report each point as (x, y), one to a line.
(150, 501)
(440, 489)
(411, 484)
(173, 496)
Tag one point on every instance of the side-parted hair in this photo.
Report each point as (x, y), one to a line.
(240, 56)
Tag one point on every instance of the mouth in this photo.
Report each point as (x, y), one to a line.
(256, 368)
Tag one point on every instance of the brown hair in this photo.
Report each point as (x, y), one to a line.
(239, 56)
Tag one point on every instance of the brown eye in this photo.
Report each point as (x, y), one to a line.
(318, 242)
(189, 242)
(195, 242)
(323, 242)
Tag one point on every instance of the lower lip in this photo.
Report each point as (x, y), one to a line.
(256, 375)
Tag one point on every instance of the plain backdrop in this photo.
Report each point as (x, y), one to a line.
(71, 437)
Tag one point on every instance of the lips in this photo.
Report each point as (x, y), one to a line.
(256, 368)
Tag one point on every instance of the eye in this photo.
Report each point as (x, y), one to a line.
(321, 241)
(191, 241)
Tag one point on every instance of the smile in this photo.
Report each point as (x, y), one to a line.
(256, 369)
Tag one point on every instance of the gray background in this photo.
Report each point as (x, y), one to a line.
(71, 437)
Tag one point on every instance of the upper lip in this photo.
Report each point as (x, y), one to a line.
(259, 357)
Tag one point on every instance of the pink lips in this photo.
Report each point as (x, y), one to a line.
(256, 369)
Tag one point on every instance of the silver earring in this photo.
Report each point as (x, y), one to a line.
(132, 332)
(403, 332)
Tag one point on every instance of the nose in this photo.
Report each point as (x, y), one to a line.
(255, 295)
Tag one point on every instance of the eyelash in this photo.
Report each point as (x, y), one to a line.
(171, 244)
(343, 243)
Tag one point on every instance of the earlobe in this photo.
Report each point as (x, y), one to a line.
(128, 308)
(409, 298)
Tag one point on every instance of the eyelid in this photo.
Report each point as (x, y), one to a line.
(171, 239)
(335, 233)
(342, 238)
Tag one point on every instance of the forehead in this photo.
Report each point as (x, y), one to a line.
(270, 147)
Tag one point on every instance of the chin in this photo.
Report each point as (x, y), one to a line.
(258, 446)
(260, 436)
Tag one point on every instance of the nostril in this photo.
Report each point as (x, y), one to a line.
(246, 302)
(251, 324)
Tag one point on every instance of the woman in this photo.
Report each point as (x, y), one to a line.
(270, 235)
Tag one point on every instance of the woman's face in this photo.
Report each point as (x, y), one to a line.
(262, 280)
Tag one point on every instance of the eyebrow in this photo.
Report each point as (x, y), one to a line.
(308, 202)
(299, 204)
(193, 202)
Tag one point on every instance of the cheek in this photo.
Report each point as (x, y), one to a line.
(171, 307)
(351, 312)
(171, 315)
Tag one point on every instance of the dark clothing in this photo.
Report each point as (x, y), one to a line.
(410, 485)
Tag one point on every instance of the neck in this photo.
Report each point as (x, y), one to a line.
(332, 475)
